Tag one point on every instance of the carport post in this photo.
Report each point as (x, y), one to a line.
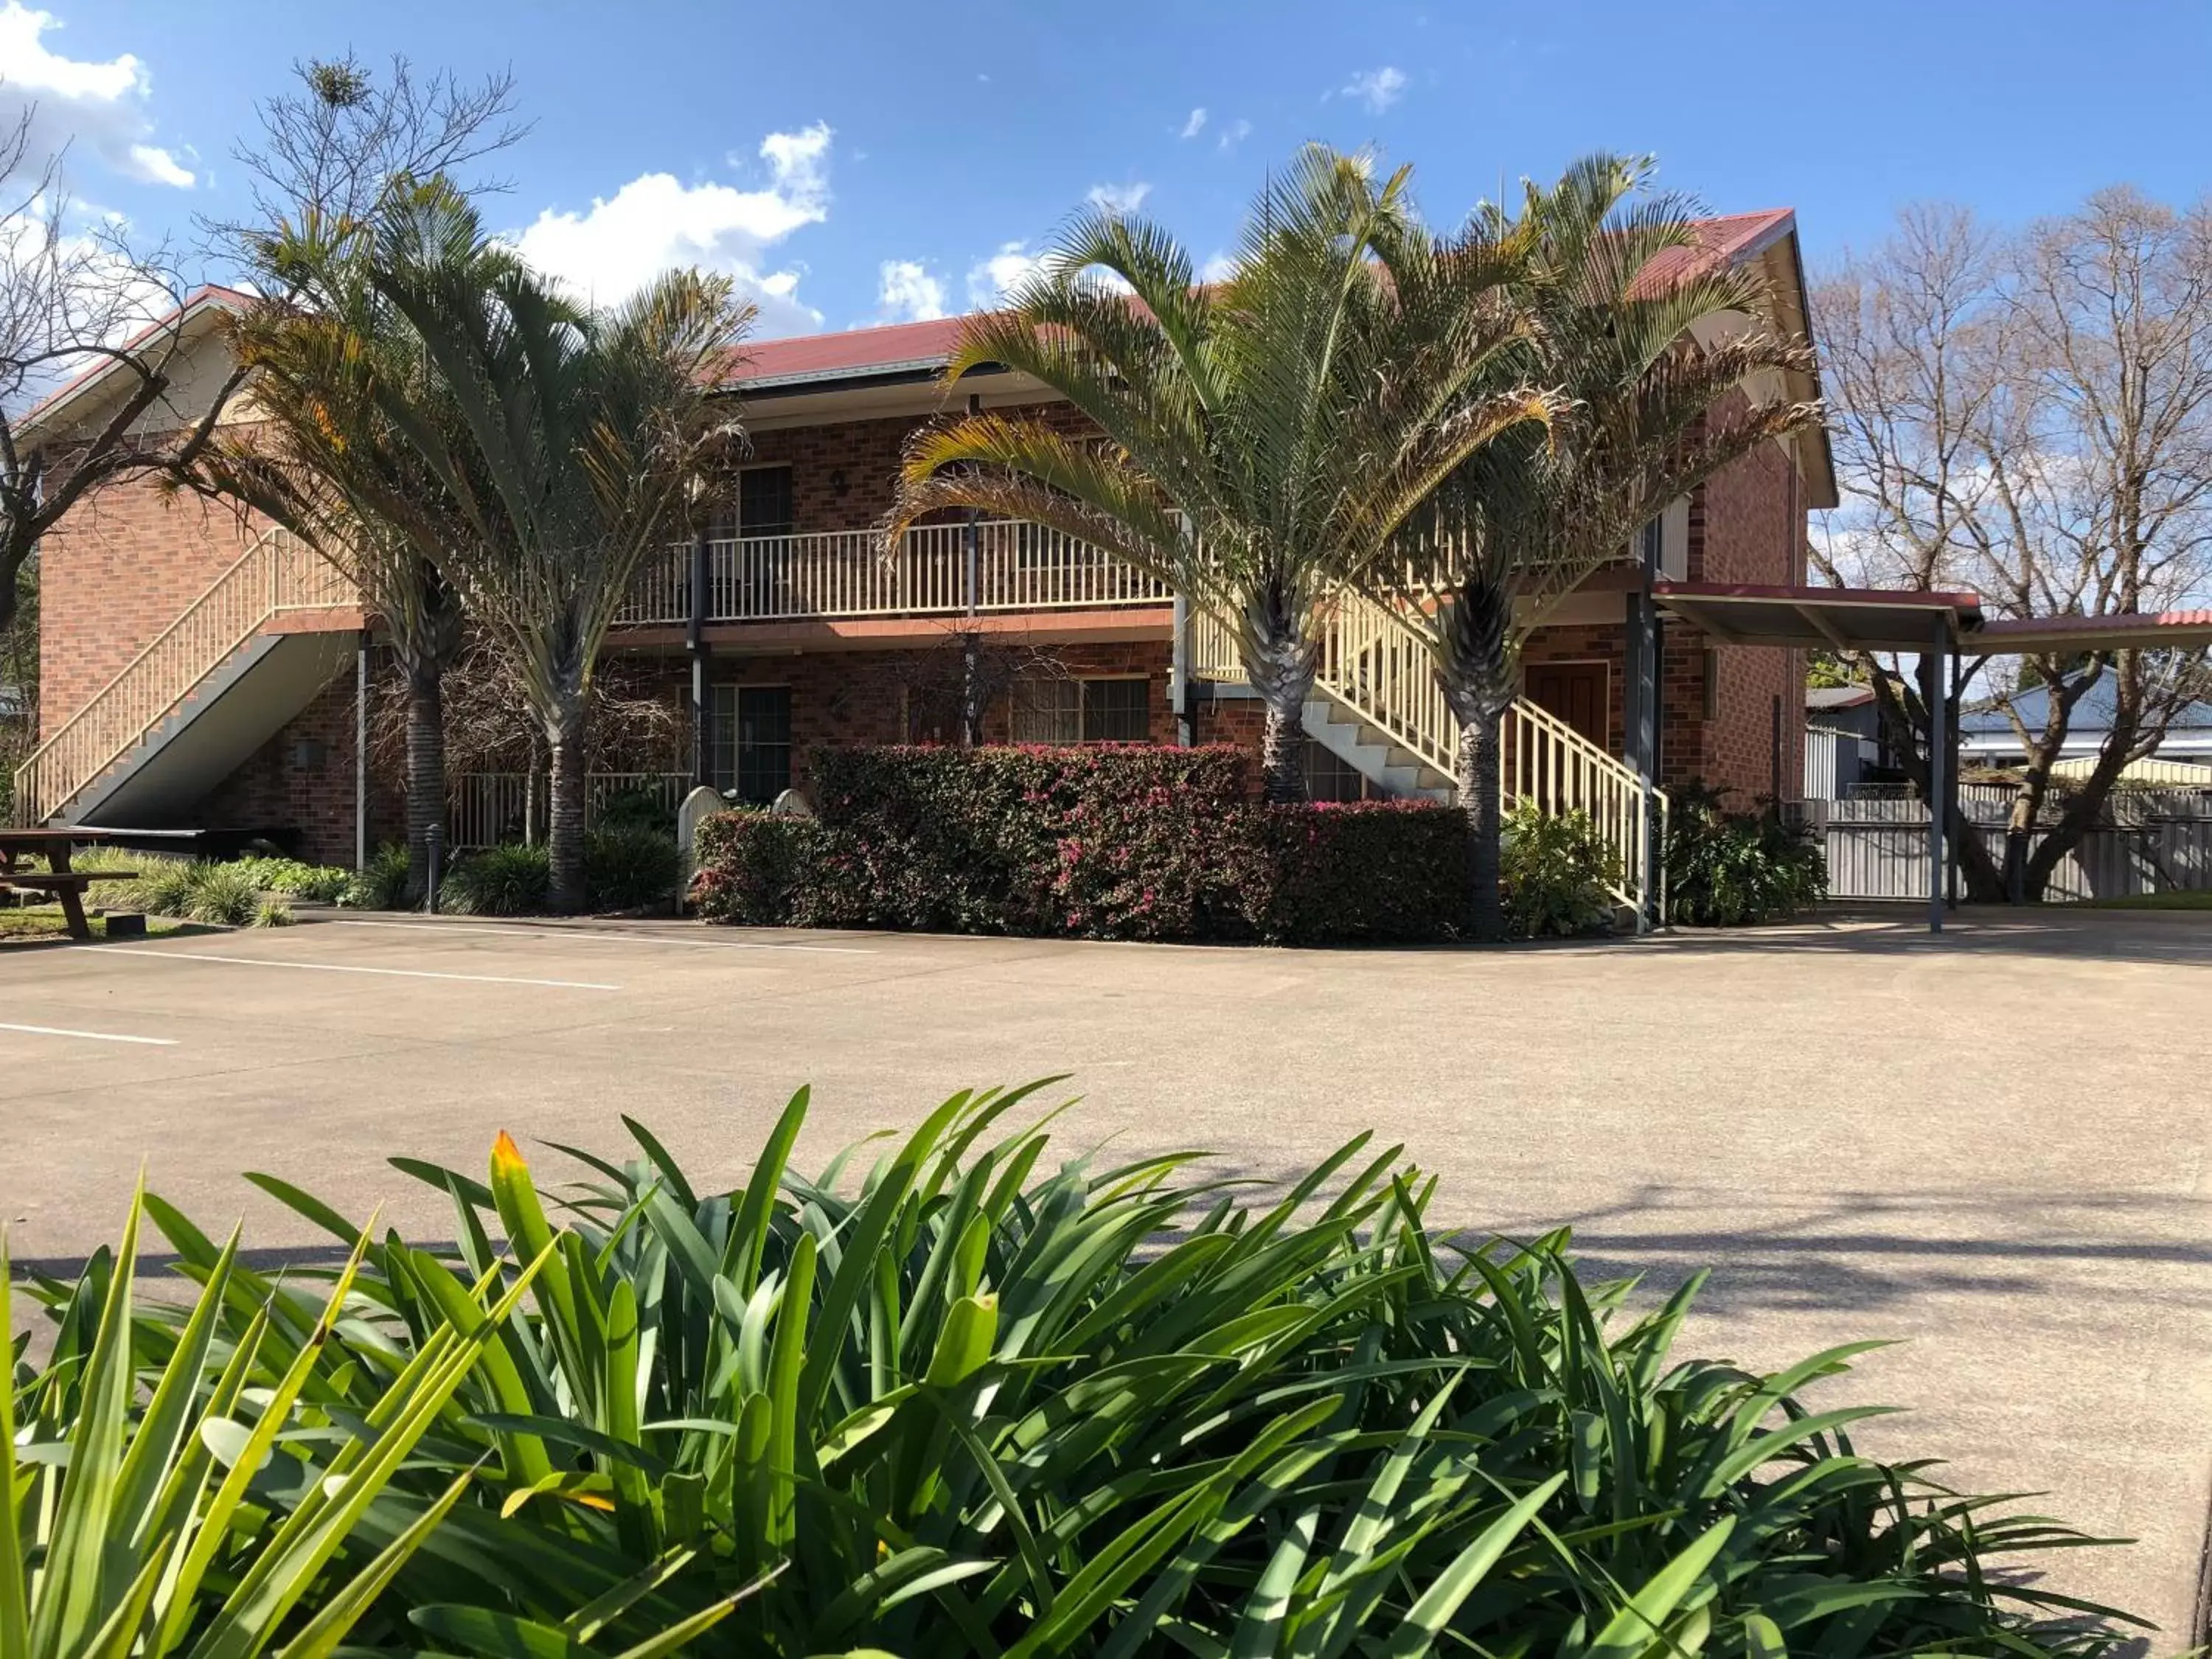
(360, 752)
(1936, 681)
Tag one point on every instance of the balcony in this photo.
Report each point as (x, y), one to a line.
(850, 575)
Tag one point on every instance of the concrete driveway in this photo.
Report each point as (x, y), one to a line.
(1991, 1146)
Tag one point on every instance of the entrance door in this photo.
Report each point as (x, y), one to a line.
(1573, 692)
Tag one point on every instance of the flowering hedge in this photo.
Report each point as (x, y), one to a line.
(1369, 872)
(1115, 842)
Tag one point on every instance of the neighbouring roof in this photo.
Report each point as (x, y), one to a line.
(1825, 699)
(2150, 770)
(2092, 713)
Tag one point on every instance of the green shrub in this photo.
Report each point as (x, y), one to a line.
(496, 881)
(1359, 872)
(637, 808)
(324, 883)
(382, 884)
(1112, 842)
(1733, 869)
(756, 870)
(631, 866)
(273, 911)
(970, 1404)
(179, 1493)
(220, 895)
(1557, 870)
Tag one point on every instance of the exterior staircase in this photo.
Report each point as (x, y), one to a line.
(207, 691)
(1378, 708)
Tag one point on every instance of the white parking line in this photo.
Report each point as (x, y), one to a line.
(347, 967)
(89, 1037)
(599, 935)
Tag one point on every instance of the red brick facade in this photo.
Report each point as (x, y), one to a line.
(123, 569)
(301, 780)
(113, 575)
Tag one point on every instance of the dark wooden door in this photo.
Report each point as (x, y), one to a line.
(1575, 693)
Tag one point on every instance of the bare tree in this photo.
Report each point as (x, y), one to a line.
(332, 147)
(75, 297)
(2030, 416)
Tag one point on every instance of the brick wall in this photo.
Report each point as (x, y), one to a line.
(113, 574)
(861, 696)
(1747, 524)
(865, 455)
(279, 788)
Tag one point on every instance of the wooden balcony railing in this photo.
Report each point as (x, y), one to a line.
(851, 574)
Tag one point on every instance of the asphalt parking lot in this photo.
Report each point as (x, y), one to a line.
(1991, 1146)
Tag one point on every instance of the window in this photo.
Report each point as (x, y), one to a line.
(749, 738)
(1083, 711)
(764, 504)
(1330, 777)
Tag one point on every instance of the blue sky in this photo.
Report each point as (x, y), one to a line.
(860, 161)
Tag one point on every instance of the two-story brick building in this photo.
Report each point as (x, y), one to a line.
(198, 672)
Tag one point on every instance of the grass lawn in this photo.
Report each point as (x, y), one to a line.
(46, 921)
(2196, 901)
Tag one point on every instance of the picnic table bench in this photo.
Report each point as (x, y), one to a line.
(65, 884)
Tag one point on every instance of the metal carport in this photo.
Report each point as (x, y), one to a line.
(1938, 626)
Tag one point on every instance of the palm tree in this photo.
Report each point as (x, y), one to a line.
(578, 437)
(329, 464)
(1256, 442)
(1651, 412)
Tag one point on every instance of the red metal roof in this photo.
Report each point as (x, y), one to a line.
(925, 345)
(853, 352)
(1723, 241)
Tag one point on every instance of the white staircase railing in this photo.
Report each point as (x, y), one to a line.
(1380, 670)
(277, 574)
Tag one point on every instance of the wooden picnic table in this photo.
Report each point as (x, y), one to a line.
(66, 884)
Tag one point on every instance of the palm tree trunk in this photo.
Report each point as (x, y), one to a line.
(1481, 746)
(1280, 661)
(564, 824)
(1480, 675)
(1283, 749)
(426, 772)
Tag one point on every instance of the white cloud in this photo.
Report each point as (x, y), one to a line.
(1196, 125)
(990, 279)
(80, 104)
(1376, 88)
(907, 293)
(1236, 133)
(1218, 269)
(1120, 200)
(655, 223)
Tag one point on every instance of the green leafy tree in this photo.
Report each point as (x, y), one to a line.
(1257, 442)
(577, 438)
(1614, 283)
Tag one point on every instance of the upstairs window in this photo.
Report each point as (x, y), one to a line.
(765, 502)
